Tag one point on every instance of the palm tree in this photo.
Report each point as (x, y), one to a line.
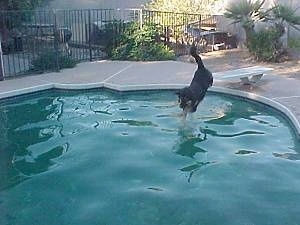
(265, 44)
(247, 13)
(285, 15)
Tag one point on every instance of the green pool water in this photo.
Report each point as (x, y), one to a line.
(106, 158)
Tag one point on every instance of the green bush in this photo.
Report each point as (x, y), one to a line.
(265, 45)
(141, 44)
(294, 43)
(52, 60)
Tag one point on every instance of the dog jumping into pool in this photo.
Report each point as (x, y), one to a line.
(190, 97)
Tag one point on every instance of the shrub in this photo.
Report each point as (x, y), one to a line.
(52, 60)
(294, 43)
(141, 44)
(265, 45)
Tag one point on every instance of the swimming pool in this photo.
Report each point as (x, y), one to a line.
(102, 157)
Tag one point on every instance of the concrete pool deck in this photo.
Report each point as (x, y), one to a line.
(280, 92)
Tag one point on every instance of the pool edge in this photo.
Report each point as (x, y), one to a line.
(267, 101)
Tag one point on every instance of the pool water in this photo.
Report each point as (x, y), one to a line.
(108, 158)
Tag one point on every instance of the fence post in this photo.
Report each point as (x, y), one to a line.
(141, 18)
(1, 63)
(56, 44)
(89, 33)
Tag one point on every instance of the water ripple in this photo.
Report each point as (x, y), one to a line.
(135, 123)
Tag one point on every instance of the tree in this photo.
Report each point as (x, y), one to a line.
(265, 44)
(183, 6)
(283, 15)
(21, 4)
(141, 44)
(247, 13)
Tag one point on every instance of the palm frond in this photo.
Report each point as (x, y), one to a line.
(286, 14)
(246, 8)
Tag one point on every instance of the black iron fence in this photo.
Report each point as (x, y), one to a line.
(39, 41)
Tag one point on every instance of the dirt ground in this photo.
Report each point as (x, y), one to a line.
(237, 58)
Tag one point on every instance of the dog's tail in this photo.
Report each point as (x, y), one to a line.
(198, 59)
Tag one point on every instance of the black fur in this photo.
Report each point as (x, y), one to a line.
(191, 96)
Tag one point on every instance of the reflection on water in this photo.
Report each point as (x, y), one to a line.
(216, 134)
(28, 129)
(188, 139)
(33, 163)
(135, 123)
(245, 152)
(126, 158)
(155, 189)
(191, 169)
(188, 145)
(288, 155)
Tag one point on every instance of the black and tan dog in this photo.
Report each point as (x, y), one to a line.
(191, 96)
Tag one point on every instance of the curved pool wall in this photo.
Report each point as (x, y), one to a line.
(251, 96)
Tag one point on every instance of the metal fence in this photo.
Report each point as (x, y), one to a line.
(180, 30)
(39, 41)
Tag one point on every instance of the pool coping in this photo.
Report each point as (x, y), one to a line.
(122, 88)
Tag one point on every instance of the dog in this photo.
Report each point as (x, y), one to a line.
(190, 97)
